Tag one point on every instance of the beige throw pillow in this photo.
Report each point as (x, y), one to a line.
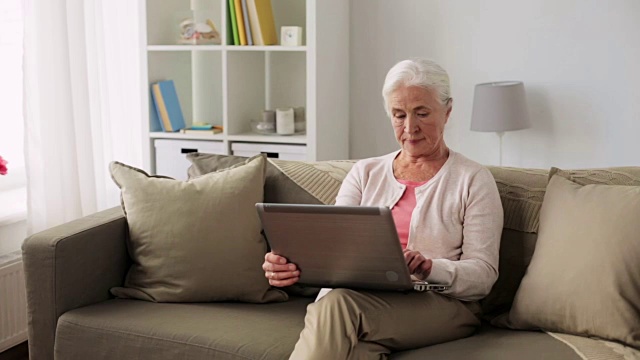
(195, 241)
(584, 277)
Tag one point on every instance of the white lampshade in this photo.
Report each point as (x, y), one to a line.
(499, 107)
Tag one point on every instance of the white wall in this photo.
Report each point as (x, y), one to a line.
(13, 212)
(579, 60)
(11, 236)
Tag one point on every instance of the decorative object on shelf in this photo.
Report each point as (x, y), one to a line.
(291, 36)
(285, 124)
(263, 128)
(269, 116)
(3, 166)
(194, 32)
(499, 107)
(300, 122)
(280, 118)
(167, 106)
(268, 124)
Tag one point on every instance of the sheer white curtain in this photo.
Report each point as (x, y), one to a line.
(82, 104)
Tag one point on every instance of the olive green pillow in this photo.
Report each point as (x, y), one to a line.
(195, 241)
(584, 277)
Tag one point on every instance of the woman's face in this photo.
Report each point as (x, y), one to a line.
(418, 120)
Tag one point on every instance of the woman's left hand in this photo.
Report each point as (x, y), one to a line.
(419, 266)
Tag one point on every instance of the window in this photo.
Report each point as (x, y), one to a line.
(11, 119)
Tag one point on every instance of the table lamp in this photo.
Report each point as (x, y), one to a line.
(499, 107)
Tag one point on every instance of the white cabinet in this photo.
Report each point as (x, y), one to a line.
(231, 85)
(171, 155)
(278, 151)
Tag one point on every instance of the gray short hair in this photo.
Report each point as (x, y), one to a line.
(420, 72)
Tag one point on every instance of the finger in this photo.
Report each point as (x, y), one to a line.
(415, 263)
(267, 266)
(281, 275)
(412, 266)
(425, 267)
(408, 256)
(283, 283)
(275, 259)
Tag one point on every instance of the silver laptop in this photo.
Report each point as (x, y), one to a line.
(340, 246)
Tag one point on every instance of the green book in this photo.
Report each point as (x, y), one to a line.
(229, 32)
(234, 24)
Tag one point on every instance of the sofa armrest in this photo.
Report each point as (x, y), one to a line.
(70, 266)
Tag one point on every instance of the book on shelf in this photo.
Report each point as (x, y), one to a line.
(199, 130)
(247, 27)
(253, 23)
(229, 39)
(167, 105)
(240, 21)
(263, 27)
(155, 119)
(232, 22)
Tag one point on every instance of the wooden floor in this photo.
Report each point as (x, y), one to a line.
(18, 352)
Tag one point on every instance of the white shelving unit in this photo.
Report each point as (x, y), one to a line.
(231, 85)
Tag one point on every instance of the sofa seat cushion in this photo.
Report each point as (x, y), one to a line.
(492, 343)
(133, 329)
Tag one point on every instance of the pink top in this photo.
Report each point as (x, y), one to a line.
(404, 208)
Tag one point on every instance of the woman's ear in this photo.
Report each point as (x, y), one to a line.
(449, 105)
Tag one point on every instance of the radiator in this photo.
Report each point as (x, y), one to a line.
(13, 301)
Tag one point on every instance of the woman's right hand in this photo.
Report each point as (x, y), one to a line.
(280, 272)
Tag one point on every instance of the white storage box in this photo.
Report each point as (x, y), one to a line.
(171, 154)
(284, 152)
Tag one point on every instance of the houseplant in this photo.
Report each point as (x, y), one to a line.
(3, 166)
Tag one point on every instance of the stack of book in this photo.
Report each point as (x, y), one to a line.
(251, 22)
(167, 113)
(202, 128)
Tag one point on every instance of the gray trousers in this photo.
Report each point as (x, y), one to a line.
(348, 324)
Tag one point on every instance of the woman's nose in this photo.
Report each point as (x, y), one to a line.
(411, 124)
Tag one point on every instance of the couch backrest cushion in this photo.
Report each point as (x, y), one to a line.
(287, 181)
(521, 192)
(629, 176)
(516, 250)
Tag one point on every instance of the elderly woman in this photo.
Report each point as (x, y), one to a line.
(449, 219)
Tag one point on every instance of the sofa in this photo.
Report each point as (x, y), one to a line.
(73, 314)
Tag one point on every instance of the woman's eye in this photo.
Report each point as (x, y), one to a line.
(423, 114)
(400, 116)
